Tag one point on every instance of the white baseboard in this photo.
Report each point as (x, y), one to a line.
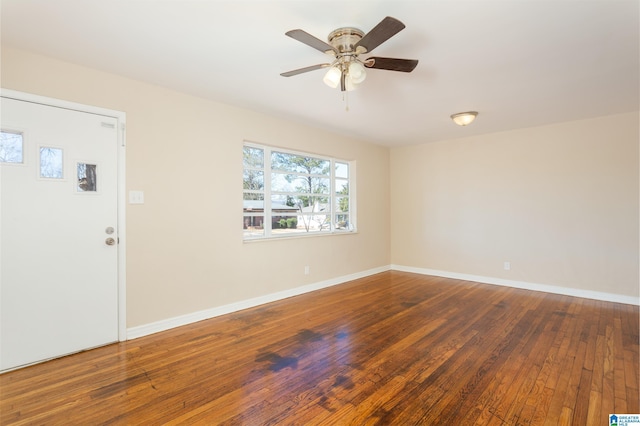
(587, 294)
(155, 327)
(162, 325)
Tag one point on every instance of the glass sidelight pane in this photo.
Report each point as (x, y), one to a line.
(342, 170)
(51, 163)
(11, 147)
(342, 187)
(87, 177)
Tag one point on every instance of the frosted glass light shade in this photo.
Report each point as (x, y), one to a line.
(332, 77)
(357, 72)
(349, 85)
(464, 118)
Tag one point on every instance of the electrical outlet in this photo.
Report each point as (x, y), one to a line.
(507, 266)
(306, 270)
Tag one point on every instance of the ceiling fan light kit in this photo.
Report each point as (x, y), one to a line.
(332, 77)
(464, 118)
(346, 61)
(357, 73)
(346, 44)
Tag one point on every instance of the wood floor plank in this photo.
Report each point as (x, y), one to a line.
(392, 348)
(608, 365)
(619, 372)
(503, 380)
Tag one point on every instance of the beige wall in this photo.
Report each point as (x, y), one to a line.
(559, 202)
(184, 245)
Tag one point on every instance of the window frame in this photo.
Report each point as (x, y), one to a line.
(267, 192)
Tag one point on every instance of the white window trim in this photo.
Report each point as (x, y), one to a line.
(267, 214)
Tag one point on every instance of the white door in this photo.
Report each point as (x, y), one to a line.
(58, 214)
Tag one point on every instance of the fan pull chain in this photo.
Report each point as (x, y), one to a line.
(345, 99)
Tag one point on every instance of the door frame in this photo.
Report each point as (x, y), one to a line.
(121, 185)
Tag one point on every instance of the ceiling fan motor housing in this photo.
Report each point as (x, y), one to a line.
(344, 39)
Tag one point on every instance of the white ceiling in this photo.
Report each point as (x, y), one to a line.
(520, 63)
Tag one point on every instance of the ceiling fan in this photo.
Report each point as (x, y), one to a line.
(346, 45)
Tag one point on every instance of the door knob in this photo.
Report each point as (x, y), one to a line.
(109, 241)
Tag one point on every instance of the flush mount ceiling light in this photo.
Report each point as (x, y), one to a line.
(345, 45)
(464, 118)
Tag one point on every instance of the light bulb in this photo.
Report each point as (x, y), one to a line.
(332, 77)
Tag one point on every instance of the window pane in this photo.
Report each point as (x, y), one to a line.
(253, 157)
(253, 219)
(342, 170)
(11, 147)
(51, 163)
(342, 187)
(342, 204)
(299, 164)
(87, 177)
(253, 180)
(253, 226)
(342, 222)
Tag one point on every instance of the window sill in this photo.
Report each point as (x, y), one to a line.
(298, 236)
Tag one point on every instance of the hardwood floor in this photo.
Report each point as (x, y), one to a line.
(391, 349)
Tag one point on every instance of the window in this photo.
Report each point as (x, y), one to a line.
(87, 177)
(51, 163)
(288, 193)
(11, 147)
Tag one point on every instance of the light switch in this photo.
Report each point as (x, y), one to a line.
(136, 197)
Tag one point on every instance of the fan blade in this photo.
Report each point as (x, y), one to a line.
(309, 40)
(305, 69)
(391, 64)
(382, 32)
